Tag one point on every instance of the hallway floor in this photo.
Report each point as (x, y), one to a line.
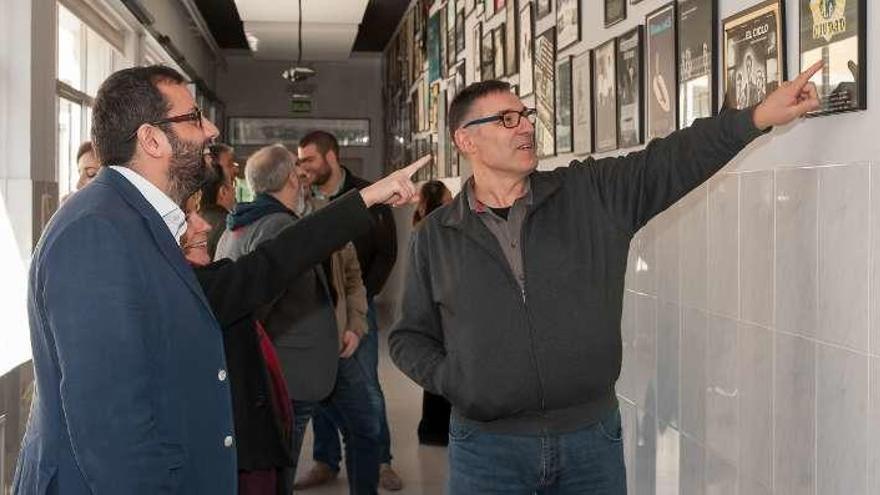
(422, 468)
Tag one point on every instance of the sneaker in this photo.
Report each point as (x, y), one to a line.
(318, 475)
(388, 479)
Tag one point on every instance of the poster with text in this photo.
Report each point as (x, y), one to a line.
(696, 60)
(581, 96)
(605, 96)
(660, 67)
(754, 54)
(629, 88)
(545, 70)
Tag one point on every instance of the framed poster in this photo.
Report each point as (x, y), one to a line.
(581, 96)
(545, 70)
(459, 31)
(629, 89)
(477, 51)
(563, 106)
(459, 77)
(754, 53)
(449, 39)
(471, 5)
(544, 8)
(605, 96)
(499, 4)
(487, 62)
(434, 43)
(697, 93)
(433, 106)
(499, 48)
(568, 23)
(511, 59)
(834, 31)
(660, 67)
(526, 51)
(615, 11)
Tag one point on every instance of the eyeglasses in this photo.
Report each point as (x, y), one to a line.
(194, 116)
(509, 119)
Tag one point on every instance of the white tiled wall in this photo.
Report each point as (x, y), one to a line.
(751, 335)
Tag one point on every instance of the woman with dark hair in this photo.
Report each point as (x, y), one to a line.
(432, 195)
(434, 425)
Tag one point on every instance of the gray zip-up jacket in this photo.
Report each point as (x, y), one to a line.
(545, 357)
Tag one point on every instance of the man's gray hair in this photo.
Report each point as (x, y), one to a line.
(268, 169)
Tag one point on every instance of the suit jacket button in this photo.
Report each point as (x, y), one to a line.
(221, 375)
(227, 442)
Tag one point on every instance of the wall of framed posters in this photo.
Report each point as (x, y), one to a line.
(639, 69)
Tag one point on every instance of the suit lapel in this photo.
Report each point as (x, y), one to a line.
(158, 229)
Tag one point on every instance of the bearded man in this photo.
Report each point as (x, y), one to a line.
(132, 392)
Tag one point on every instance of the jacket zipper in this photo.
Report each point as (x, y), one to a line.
(522, 244)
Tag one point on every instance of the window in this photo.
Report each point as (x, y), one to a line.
(85, 59)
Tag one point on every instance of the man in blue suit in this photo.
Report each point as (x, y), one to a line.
(132, 391)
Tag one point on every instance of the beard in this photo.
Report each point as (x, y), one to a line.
(188, 171)
(322, 175)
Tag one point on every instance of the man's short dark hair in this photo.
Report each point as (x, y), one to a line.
(218, 149)
(323, 141)
(84, 148)
(211, 188)
(125, 101)
(464, 100)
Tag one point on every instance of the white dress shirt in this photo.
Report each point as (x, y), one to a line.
(173, 216)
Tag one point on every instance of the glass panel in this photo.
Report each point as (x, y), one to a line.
(71, 62)
(100, 61)
(70, 136)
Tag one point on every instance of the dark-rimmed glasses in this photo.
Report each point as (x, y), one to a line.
(194, 116)
(509, 119)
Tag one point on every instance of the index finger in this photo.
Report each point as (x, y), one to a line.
(805, 76)
(414, 167)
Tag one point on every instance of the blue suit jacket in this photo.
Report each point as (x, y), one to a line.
(130, 397)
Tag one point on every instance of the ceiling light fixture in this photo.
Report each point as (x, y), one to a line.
(298, 72)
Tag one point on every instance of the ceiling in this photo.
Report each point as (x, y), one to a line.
(328, 33)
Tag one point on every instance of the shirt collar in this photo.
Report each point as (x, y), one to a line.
(170, 212)
(316, 191)
(478, 206)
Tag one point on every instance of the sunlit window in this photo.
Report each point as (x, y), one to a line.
(85, 59)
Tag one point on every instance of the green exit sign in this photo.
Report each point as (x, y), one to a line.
(301, 106)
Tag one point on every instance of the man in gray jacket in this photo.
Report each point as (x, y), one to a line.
(512, 300)
(315, 361)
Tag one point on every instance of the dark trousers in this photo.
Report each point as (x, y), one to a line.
(327, 448)
(434, 425)
(352, 406)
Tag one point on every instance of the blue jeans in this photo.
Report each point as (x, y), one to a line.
(587, 461)
(326, 447)
(350, 402)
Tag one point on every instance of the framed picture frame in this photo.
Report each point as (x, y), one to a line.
(263, 131)
(753, 53)
(434, 107)
(543, 9)
(568, 23)
(545, 95)
(459, 31)
(836, 33)
(511, 58)
(564, 127)
(605, 96)
(697, 66)
(615, 12)
(526, 50)
(500, 51)
(500, 4)
(434, 47)
(487, 52)
(661, 75)
(449, 47)
(630, 88)
(477, 51)
(582, 100)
